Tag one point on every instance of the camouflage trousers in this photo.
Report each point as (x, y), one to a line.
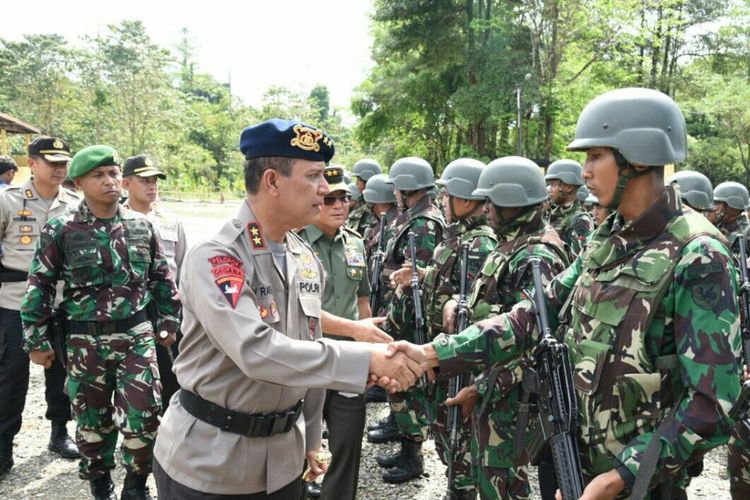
(738, 461)
(461, 460)
(492, 442)
(122, 365)
(409, 411)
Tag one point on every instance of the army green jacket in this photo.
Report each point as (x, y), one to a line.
(653, 335)
(361, 219)
(573, 224)
(111, 269)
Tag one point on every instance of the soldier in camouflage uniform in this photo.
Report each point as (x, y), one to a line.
(515, 189)
(731, 198)
(412, 178)
(440, 283)
(112, 267)
(568, 217)
(362, 218)
(650, 310)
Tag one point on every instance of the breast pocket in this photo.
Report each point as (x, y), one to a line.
(84, 264)
(23, 235)
(139, 258)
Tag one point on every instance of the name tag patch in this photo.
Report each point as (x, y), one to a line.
(309, 288)
(229, 276)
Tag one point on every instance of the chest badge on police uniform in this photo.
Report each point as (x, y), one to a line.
(229, 276)
(25, 239)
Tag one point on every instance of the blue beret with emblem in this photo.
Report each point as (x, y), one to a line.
(289, 138)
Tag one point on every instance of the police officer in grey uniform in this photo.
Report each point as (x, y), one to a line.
(140, 177)
(252, 366)
(24, 209)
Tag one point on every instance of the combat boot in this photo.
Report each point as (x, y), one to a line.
(102, 487)
(60, 442)
(134, 487)
(381, 423)
(385, 434)
(6, 454)
(456, 494)
(410, 466)
(388, 460)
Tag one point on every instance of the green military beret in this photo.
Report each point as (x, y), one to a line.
(91, 157)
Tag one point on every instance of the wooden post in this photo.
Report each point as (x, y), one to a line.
(4, 141)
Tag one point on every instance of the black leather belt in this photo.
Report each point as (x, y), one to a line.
(107, 327)
(251, 425)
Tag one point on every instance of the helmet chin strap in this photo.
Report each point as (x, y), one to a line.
(625, 172)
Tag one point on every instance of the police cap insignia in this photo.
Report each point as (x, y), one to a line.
(57, 144)
(288, 138)
(52, 149)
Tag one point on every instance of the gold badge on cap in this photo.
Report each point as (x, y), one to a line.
(115, 157)
(148, 162)
(306, 138)
(57, 144)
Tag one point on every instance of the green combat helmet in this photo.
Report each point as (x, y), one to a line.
(695, 189)
(734, 194)
(460, 178)
(567, 171)
(582, 194)
(354, 191)
(378, 190)
(366, 168)
(644, 126)
(411, 173)
(512, 181)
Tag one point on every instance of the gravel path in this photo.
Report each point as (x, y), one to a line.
(39, 474)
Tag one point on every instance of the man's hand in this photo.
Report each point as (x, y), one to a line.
(44, 358)
(396, 367)
(166, 339)
(466, 398)
(366, 330)
(449, 316)
(605, 486)
(316, 464)
(401, 277)
(424, 355)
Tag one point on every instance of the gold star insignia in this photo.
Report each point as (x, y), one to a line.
(257, 240)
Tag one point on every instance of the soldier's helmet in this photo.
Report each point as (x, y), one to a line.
(582, 194)
(354, 191)
(644, 125)
(366, 168)
(591, 200)
(567, 171)
(377, 190)
(733, 194)
(460, 178)
(411, 173)
(695, 189)
(512, 181)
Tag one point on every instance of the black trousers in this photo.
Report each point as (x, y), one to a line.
(345, 417)
(14, 378)
(169, 489)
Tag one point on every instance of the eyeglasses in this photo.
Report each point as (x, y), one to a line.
(331, 200)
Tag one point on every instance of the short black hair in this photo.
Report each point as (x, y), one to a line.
(254, 168)
(7, 163)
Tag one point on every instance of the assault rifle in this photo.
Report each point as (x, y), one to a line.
(460, 381)
(57, 333)
(377, 266)
(419, 334)
(551, 380)
(741, 409)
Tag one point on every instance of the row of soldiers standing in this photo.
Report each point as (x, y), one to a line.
(499, 211)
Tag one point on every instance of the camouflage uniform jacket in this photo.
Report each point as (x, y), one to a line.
(573, 224)
(361, 219)
(442, 277)
(500, 285)
(111, 270)
(427, 223)
(654, 326)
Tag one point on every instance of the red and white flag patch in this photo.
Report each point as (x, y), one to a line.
(229, 276)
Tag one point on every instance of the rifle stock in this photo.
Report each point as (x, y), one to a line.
(455, 384)
(556, 401)
(419, 334)
(741, 408)
(377, 266)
